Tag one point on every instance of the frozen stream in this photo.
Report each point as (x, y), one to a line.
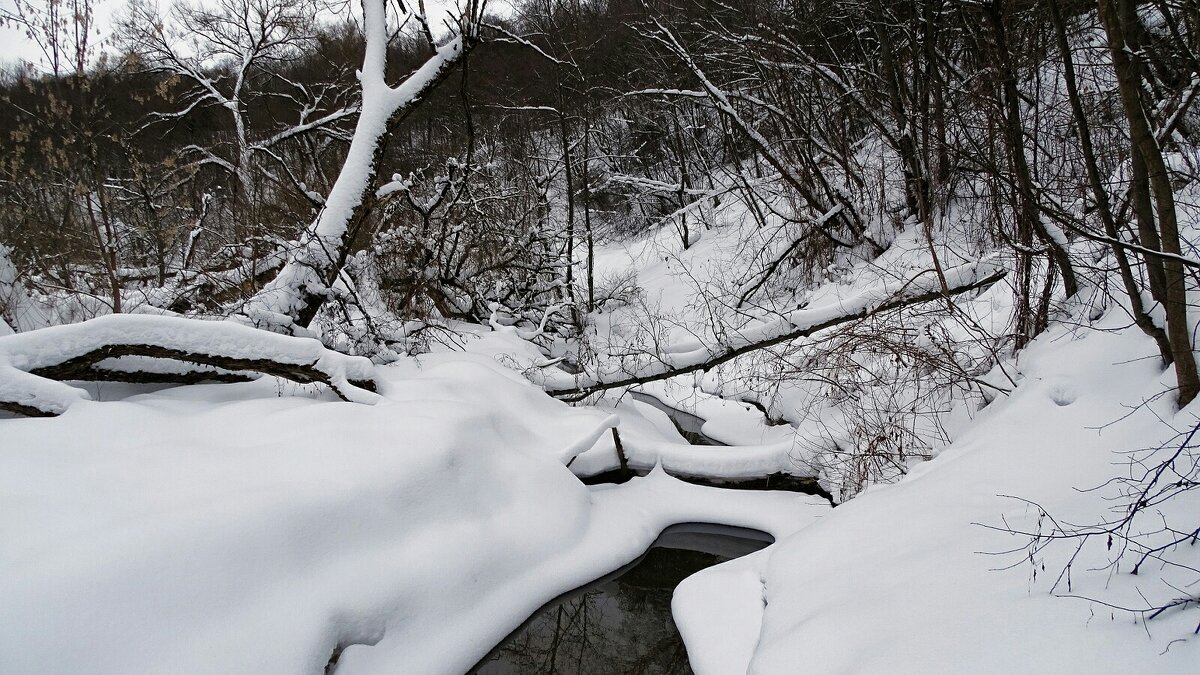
(622, 623)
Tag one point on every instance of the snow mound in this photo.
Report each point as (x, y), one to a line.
(908, 578)
(229, 529)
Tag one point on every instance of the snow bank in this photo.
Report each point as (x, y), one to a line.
(897, 580)
(647, 445)
(719, 613)
(229, 529)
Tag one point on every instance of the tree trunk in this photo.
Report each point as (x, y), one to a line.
(294, 297)
(1103, 205)
(1029, 214)
(1144, 142)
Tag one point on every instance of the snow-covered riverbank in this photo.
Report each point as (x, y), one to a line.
(907, 577)
(254, 528)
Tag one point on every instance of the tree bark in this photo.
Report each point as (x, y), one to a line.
(1144, 142)
(1103, 205)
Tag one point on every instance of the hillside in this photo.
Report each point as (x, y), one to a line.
(601, 337)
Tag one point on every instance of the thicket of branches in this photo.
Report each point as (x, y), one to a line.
(189, 158)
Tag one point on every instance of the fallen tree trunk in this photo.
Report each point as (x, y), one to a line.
(83, 367)
(924, 287)
(141, 348)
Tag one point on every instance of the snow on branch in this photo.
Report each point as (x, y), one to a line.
(722, 101)
(696, 94)
(147, 348)
(656, 186)
(681, 360)
(289, 302)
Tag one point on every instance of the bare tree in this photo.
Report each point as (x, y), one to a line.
(291, 301)
(229, 61)
(1119, 19)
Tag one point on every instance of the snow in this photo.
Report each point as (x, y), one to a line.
(682, 306)
(646, 447)
(694, 352)
(261, 527)
(649, 438)
(914, 577)
(229, 528)
(725, 420)
(53, 345)
(623, 522)
(719, 613)
(254, 527)
(17, 311)
(37, 393)
(57, 344)
(900, 579)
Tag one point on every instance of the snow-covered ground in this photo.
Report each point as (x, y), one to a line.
(260, 527)
(404, 518)
(255, 527)
(907, 578)
(915, 576)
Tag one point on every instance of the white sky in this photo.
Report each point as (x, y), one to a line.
(15, 47)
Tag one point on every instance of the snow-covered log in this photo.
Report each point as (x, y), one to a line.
(691, 358)
(145, 348)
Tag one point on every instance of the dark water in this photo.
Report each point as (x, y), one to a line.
(622, 623)
(689, 426)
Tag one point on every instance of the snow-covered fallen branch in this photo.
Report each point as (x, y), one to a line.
(146, 348)
(923, 287)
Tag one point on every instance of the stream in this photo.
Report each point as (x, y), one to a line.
(689, 426)
(621, 623)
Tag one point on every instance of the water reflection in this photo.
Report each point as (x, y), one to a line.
(621, 624)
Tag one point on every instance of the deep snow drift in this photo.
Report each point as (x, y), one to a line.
(255, 527)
